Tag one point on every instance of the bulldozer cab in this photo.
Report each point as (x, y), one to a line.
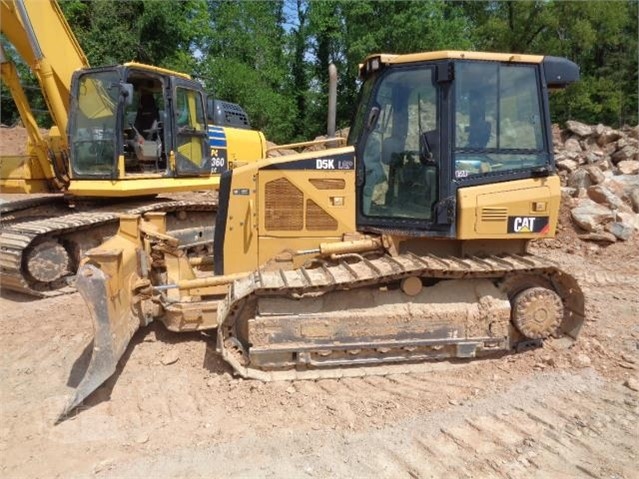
(425, 129)
(133, 120)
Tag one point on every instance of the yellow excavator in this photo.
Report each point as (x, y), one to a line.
(122, 135)
(407, 245)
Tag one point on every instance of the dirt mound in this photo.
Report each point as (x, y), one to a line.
(14, 140)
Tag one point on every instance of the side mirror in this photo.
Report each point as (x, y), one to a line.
(126, 90)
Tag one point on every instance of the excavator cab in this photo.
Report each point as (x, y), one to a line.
(135, 120)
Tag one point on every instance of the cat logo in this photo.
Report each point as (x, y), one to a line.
(528, 224)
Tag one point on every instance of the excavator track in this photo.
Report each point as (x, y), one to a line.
(323, 322)
(26, 270)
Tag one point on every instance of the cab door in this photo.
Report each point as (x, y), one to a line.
(191, 139)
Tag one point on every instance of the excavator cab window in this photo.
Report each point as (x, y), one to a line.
(399, 153)
(192, 140)
(93, 126)
(498, 119)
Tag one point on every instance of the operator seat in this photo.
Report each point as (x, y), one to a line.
(148, 116)
(391, 147)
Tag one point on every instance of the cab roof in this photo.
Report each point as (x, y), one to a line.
(390, 59)
(158, 70)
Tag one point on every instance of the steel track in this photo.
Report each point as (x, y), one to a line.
(240, 305)
(15, 241)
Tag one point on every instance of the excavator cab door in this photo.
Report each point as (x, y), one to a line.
(192, 157)
(94, 122)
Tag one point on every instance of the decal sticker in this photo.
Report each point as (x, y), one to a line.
(217, 137)
(340, 162)
(218, 145)
(217, 161)
(325, 164)
(241, 191)
(528, 224)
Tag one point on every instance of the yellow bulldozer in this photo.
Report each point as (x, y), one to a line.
(408, 244)
(122, 135)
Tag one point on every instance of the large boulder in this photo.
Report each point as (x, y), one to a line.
(605, 196)
(626, 153)
(568, 165)
(579, 129)
(633, 196)
(572, 145)
(628, 167)
(607, 136)
(622, 185)
(629, 219)
(620, 230)
(595, 174)
(579, 180)
(632, 132)
(591, 216)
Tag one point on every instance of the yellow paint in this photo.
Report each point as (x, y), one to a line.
(483, 210)
(131, 187)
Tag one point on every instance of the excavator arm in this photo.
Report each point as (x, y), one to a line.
(42, 37)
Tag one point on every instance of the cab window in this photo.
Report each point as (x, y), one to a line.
(497, 119)
(191, 130)
(399, 173)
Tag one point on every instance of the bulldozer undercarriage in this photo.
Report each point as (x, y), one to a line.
(361, 315)
(349, 315)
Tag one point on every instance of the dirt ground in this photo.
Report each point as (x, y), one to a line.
(174, 409)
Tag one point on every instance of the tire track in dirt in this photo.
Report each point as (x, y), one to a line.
(550, 425)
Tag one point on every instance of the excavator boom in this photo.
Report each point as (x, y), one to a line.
(42, 37)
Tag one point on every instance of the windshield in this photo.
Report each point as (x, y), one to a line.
(93, 124)
(498, 119)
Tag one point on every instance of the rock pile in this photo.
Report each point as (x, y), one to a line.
(599, 167)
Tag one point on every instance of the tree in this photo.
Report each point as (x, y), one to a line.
(245, 60)
(165, 34)
(347, 32)
(601, 40)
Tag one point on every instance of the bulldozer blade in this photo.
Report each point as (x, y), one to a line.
(113, 328)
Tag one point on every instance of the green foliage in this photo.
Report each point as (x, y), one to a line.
(272, 56)
(8, 111)
(244, 62)
(346, 32)
(155, 32)
(600, 37)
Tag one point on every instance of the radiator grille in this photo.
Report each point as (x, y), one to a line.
(317, 219)
(284, 204)
(328, 183)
